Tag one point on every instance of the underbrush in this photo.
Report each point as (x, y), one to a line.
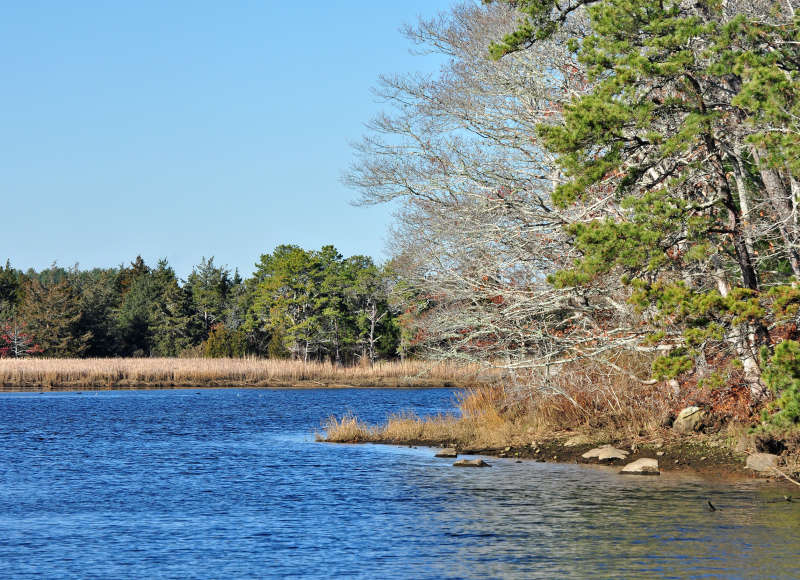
(581, 397)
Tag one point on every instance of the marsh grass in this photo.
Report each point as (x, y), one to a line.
(580, 398)
(32, 374)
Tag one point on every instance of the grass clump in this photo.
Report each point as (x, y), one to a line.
(586, 397)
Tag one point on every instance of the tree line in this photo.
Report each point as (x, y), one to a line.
(309, 305)
(604, 180)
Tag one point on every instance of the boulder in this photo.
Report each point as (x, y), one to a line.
(447, 452)
(643, 466)
(762, 462)
(576, 440)
(605, 453)
(689, 420)
(471, 463)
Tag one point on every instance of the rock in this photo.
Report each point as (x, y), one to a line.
(576, 440)
(762, 462)
(689, 420)
(471, 463)
(447, 452)
(604, 453)
(660, 453)
(644, 466)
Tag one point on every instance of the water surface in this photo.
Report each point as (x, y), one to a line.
(230, 483)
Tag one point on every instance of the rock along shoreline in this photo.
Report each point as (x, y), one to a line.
(690, 454)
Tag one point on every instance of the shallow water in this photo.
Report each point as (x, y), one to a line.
(230, 483)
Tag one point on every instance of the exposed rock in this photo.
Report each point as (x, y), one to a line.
(643, 466)
(660, 453)
(471, 463)
(762, 462)
(605, 453)
(688, 420)
(447, 452)
(576, 440)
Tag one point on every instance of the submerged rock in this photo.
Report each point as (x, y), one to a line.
(688, 420)
(643, 466)
(762, 462)
(447, 452)
(605, 453)
(471, 463)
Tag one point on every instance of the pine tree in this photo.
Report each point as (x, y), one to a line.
(53, 317)
(667, 156)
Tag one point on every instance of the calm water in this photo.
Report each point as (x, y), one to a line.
(230, 483)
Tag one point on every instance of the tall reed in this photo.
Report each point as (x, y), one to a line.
(121, 372)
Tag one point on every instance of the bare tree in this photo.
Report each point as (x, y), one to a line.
(477, 232)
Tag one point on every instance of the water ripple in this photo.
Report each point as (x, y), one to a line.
(184, 484)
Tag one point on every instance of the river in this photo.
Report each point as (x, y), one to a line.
(231, 483)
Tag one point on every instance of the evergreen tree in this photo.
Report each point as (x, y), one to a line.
(662, 146)
(53, 317)
(211, 288)
(10, 290)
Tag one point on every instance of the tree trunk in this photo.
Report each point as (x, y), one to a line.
(745, 340)
(744, 203)
(782, 204)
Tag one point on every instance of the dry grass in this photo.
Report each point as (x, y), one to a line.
(35, 374)
(585, 398)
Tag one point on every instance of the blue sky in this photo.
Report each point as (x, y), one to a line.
(190, 129)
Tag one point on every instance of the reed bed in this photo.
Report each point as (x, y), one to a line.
(54, 374)
(582, 398)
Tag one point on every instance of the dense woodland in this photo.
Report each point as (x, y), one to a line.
(307, 305)
(602, 182)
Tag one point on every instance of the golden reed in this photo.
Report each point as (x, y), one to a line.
(110, 373)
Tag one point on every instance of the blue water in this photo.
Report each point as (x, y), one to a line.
(231, 484)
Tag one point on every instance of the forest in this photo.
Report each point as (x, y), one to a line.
(300, 304)
(599, 193)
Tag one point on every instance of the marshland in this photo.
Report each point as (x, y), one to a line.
(43, 374)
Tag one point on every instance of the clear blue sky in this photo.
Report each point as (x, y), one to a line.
(189, 129)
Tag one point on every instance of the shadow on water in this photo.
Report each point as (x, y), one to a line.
(231, 483)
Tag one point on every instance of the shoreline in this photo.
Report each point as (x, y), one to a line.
(688, 455)
(168, 386)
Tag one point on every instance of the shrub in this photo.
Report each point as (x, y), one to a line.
(782, 376)
(224, 343)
